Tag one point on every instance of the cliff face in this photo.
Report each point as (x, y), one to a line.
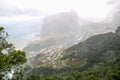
(65, 29)
(59, 24)
(58, 30)
(118, 30)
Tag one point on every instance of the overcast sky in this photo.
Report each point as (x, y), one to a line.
(23, 18)
(97, 9)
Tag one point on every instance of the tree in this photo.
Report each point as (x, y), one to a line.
(34, 77)
(10, 59)
(114, 74)
(68, 77)
(90, 77)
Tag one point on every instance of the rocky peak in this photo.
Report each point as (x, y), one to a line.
(118, 30)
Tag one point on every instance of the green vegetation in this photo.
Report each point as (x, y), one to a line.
(10, 58)
(97, 58)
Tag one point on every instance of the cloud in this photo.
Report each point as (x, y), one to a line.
(21, 28)
(22, 18)
(12, 8)
(45, 7)
(114, 16)
(20, 22)
(116, 13)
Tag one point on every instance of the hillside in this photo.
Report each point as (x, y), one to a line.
(97, 58)
(64, 29)
(58, 30)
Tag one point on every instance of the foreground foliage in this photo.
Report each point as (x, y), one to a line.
(11, 60)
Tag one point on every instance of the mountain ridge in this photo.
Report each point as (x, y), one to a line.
(97, 57)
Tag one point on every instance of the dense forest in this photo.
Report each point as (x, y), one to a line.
(97, 58)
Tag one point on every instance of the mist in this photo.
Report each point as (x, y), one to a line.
(60, 39)
(84, 17)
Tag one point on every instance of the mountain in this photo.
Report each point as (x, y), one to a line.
(60, 24)
(59, 29)
(65, 29)
(96, 58)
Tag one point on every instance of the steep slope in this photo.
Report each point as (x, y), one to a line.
(58, 24)
(59, 29)
(98, 43)
(97, 58)
(65, 29)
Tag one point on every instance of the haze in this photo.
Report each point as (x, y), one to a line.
(23, 18)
